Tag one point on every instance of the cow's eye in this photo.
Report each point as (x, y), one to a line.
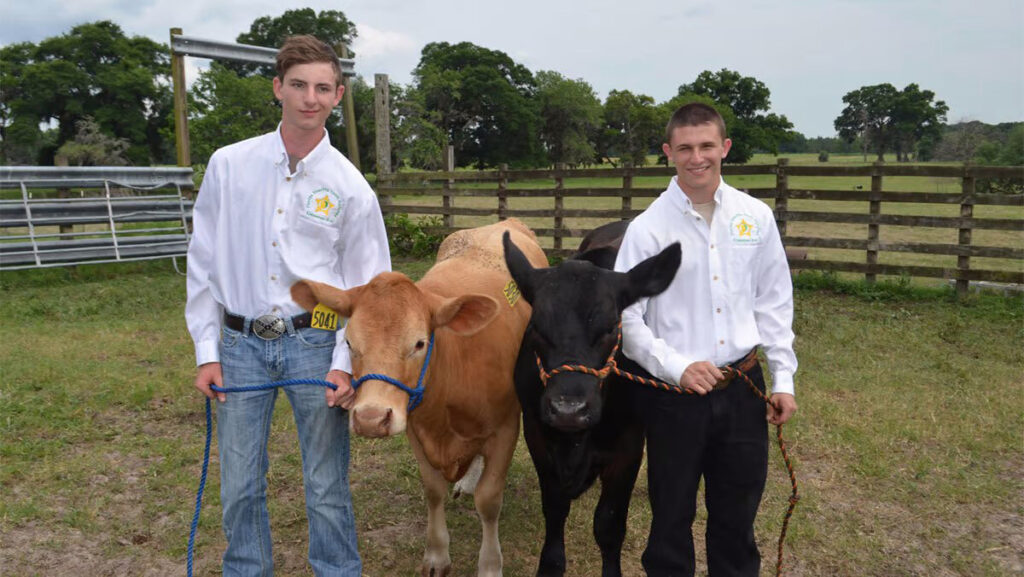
(421, 344)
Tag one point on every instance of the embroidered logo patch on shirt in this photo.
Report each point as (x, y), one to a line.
(324, 205)
(743, 229)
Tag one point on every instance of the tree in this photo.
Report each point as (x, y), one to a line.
(669, 107)
(94, 70)
(887, 119)
(571, 116)
(483, 101)
(91, 147)
(224, 108)
(747, 97)
(632, 127)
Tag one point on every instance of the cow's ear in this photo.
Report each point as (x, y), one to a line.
(308, 293)
(465, 314)
(651, 276)
(519, 267)
(603, 257)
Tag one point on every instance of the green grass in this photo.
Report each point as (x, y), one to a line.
(907, 442)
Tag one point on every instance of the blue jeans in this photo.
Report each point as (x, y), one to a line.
(243, 428)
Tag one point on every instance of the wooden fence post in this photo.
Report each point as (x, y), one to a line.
(559, 204)
(627, 186)
(502, 187)
(874, 209)
(963, 261)
(382, 122)
(349, 111)
(781, 196)
(181, 140)
(446, 198)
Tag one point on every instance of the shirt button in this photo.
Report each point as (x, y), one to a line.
(718, 310)
(721, 342)
(273, 277)
(273, 243)
(714, 277)
(712, 246)
(280, 211)
(288, 178)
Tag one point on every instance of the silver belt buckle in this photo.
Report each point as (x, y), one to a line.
(268, 327)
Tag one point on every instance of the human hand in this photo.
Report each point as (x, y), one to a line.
(700, 377)
(782, 407)
(210, 374)
(344, 396)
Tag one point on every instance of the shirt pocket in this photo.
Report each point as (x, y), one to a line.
(743, 262)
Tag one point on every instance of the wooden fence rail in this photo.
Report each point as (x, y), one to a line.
(462, 199)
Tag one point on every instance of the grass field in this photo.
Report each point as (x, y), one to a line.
(907, 443)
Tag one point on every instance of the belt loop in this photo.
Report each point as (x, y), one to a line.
(289, 326)
(246, 326)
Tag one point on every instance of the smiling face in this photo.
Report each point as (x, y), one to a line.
(308, 93)
(697, 153)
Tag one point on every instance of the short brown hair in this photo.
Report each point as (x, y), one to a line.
(306, 49)
(694, 114)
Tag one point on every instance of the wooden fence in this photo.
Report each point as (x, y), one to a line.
(838, 228)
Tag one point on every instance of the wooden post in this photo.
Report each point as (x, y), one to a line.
(627, 194)
(382, 122)
(349, 113)
(559, 204)
(874, 209)
(502, 187)
(446, 186)
(781, 196)
(963, 261)
(181, 140)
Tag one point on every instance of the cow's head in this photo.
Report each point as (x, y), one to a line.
(390, 322)
(576, 311)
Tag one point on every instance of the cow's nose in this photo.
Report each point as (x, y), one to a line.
(568, 414)
(371, 421)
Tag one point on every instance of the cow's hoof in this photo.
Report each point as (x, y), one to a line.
(436, 571)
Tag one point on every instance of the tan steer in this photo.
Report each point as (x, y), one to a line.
(469, 414)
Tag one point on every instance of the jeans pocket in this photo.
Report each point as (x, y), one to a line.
(229, 338)
(316, 338)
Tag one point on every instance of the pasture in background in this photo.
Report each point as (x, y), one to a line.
(907, 442)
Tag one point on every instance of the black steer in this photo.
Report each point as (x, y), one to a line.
(576, 426)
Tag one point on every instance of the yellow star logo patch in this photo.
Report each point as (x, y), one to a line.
(324, 205)
(744, 228)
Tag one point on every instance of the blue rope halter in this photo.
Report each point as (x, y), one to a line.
(415, 394)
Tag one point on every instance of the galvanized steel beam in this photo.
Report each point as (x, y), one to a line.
(204, 48)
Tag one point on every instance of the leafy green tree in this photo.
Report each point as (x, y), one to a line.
(571, 115)
(747, 97)
(632, 127)
(666, 109)
(95, 71)
(483, 101)
(226, 108)
(887, 119)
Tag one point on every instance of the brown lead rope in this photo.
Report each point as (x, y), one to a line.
(730, 372)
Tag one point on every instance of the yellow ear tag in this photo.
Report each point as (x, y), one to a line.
(511, 292)
(324, 318)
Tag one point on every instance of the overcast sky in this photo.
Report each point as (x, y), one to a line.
(809, 53)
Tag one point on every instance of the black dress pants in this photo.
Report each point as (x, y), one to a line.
(722, 437)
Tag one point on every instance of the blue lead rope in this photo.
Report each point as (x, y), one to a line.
(209, 435)
(415, 394)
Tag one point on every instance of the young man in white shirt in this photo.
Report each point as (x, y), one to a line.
(273, 210)
(732, 293)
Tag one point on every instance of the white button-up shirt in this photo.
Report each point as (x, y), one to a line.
(732, 292)
(258, 228)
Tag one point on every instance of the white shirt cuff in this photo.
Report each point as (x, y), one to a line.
(207, 352)
(782, 382)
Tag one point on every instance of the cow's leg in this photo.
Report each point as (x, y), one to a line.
(610, 516)
(436, 561)
(554, 501)
(490, 492)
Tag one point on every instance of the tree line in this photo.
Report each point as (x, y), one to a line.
(95, 95)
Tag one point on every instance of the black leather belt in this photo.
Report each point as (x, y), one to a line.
(267, 327)
(745, 365)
